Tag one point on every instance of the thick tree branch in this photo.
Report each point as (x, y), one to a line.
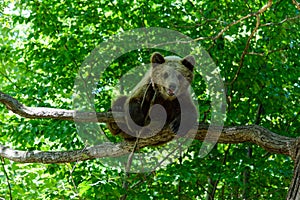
(294, 189)
(261, 136)
(51, 113)
(266, 139)
(104, 150)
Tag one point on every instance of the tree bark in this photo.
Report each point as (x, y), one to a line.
(261, 136)
(294, 189)
(255, 134)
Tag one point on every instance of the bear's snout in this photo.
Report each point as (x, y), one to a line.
(172, 86)
(172, 89)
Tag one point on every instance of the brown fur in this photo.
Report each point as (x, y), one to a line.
(166, 84)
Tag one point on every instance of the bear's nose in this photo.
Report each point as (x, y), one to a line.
(172, 87)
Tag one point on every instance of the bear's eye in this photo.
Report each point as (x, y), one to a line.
(166, 75)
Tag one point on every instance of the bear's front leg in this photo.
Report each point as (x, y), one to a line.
(117, 106)
(135, 116)
(185, 120)
(145, 121)
(119, 128)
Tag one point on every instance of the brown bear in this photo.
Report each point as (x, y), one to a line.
(161, 100)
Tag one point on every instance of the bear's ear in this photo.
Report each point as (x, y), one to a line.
(189, 62)
(157, 59)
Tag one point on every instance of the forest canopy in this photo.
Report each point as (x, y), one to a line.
(255, 47)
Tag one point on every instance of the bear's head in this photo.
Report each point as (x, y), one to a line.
(172, 75)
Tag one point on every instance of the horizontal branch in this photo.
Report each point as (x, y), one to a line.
(269, 52)
(272, 142)
(263, 137)
(104, 150)
(51, 113)
(281, 22)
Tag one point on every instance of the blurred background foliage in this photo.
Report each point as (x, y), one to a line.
(43, 44)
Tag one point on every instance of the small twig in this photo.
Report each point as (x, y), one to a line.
(267, 53)
(263, 9)
(7, 178)
(257, 14)
(158, 165)
(292, 120)
(72, 179)
(281, 22)
(245, 50)
(233, 23)
(128, 166)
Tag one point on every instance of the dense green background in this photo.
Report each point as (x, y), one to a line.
(43, 44)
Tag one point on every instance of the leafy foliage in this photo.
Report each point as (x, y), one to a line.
(43, 44)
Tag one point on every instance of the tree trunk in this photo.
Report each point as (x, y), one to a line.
(294, 190)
